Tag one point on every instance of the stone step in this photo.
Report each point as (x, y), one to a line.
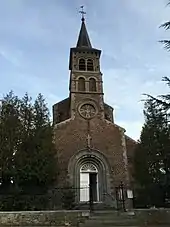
(112, 212)
(109, 217)
(114, 225)
(96, 207)
(102, 225)
(119, 222)
(113, 215)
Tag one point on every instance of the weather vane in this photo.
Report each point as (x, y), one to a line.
(82, 12)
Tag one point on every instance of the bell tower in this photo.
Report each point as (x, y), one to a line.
(92, 150)
(86, 85)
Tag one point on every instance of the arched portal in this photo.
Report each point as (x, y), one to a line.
(89, 182)
(85, 167)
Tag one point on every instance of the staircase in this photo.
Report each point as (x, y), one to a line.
(96, 207)
(111, 219)
(114, 219)
(127, 219)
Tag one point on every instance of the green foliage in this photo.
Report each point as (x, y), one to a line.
(68, 197)
(162, 102)
(9, 137)
(19, 202)
(27, 152)
(166, 26)
(152, 157)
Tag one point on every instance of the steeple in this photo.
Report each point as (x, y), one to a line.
(83, 39)
(84, 52)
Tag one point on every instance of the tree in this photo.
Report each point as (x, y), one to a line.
(161, 107)
(166, 26)
(162, 101)
(9, 138)
(27, 152)
(35, 160)
(152, 160)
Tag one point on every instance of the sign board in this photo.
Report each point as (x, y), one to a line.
(130, 194)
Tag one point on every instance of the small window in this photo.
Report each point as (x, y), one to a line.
(90, 66)
(82, 64)
(81, 84)
(92, 84)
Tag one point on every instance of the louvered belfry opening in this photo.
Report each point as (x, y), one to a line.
(90, 66)
(82, 64)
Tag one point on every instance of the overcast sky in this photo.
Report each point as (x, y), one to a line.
(35, 37)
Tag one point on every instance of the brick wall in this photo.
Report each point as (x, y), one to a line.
(106, 137)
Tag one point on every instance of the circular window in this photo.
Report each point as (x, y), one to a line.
(87, 111)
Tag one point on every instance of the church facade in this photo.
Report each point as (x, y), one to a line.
(93, 152)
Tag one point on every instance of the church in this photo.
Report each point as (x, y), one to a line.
(93, 152)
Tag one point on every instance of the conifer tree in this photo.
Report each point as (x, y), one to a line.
(28, 164)
(10, 127)
(152, 158)
(166, 26)
(35, 160)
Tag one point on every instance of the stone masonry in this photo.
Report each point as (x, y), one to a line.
(85, 131)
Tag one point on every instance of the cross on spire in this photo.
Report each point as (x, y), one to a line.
(82, 12)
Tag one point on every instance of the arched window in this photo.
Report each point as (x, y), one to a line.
(82, 64)
(81, 84)
(92, 84)
(90, 66)
(88, 167)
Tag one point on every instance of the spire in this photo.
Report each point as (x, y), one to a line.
(83, 39)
